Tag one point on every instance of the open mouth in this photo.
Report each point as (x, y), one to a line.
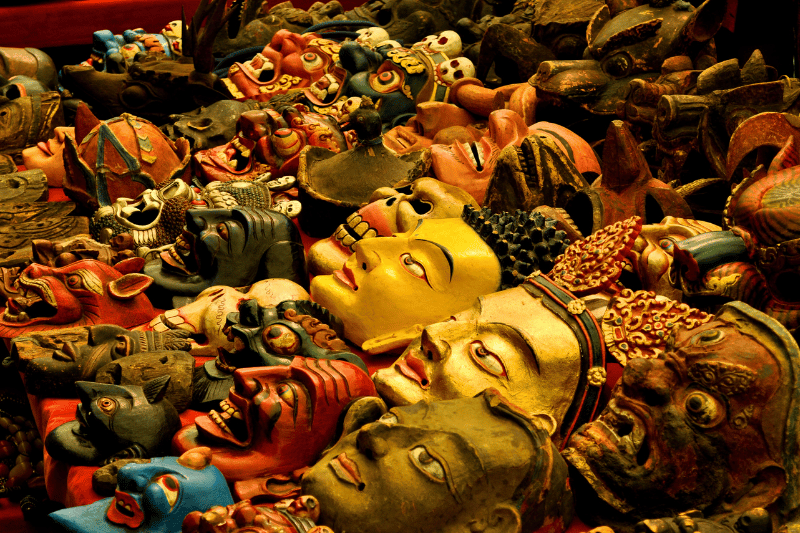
(353, 230)
(36, 300)
(627, 432)
(327, 89)
(260, 68)
(235, 157)
(181, 257)
(228, 425)
(125, 510)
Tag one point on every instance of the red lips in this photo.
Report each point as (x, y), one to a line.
(413, 369)
(345, 275)
(346, 470)
(125, 510)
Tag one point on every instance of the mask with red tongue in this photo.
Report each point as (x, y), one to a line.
(276, 419)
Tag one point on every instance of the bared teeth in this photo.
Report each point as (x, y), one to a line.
(215, 416)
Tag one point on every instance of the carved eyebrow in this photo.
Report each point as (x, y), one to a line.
(447, 255)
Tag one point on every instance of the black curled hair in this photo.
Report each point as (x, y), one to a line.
(524, 242)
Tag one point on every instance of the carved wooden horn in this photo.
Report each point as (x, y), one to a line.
(705, 21)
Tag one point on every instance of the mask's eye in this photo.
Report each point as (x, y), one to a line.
(107, 405)
(423, 460)
(388, 418)
(386, 81)
(74, 282)
(486, 359)
(286, 392)
(171, 488)
(222, 230)
(618, 65)
(123, 346)
(312, 61)
(704, 409)
(666, 244)
(708, 337)
(413, 266)
(280, 339)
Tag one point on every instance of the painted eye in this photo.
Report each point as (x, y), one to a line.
(312, 61)
(413, 266)
(703, 409)
(423, 460)
(708, 337)
(666, 244)
(222, 230)
(386, 81)
(123, 346)
(388, 419)
(171, 488)
(74, 282)
(281, 340)
(107, 405)
(618, 65)
(486, 359)
(286, 392)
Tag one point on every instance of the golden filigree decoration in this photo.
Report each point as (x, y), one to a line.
(406, 60)
(594, 264)
(330, 48)
(637, 324)
(724, 378)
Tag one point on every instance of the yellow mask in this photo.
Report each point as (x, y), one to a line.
(419, 277)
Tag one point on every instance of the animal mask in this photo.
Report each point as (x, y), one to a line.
(82, 293)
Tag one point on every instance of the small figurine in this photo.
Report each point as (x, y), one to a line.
(153, 496)
(275, 420)
(473, 462)
(115, 422)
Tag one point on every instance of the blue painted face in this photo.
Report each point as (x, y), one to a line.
(153, 497)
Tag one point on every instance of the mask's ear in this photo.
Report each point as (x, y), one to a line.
(765, 488)
(129, 286)
(360, 412)
(545, 421)
(503, 519)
